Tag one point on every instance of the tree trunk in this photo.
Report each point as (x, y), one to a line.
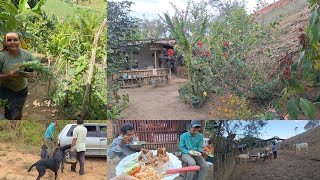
(91, 68)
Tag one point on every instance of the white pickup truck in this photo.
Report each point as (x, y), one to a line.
(96, 142)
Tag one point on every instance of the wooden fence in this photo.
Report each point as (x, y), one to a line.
(158, 133)
(223, 165)
(143, 77)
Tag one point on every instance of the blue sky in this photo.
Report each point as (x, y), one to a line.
(282, 128)
(151, 8)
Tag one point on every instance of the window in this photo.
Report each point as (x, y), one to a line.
(70, 132)
(91, 131)
(103, 131)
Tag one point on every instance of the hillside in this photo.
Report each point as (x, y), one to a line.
(287, 16)
(312, 137)
(288, 165)
(62, 9)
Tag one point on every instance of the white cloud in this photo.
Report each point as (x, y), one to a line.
(151, 8)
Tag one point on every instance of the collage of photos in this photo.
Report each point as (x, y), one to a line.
(159, 90)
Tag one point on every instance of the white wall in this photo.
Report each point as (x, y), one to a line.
(145, 57)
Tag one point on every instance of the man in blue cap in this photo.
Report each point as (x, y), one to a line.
(49, 137)
(193, 140)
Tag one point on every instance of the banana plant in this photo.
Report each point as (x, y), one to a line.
(11, 17)
(177, 29)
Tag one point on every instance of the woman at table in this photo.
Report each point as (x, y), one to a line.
(120, 147)
(13, 87)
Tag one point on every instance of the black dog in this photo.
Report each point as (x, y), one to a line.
(52, 164)
(44, 152)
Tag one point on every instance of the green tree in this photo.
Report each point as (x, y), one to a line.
(121, 28)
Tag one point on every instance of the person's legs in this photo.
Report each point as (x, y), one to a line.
(74, 165)
(21, 99)
(203, 167)
(50, 147)
(81, 162)
(191, 162)
(16, 102)
(275, 154)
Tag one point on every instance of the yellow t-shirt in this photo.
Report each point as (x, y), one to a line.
(8, 63)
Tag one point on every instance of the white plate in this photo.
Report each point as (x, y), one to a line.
(174, 164)
(197, 154)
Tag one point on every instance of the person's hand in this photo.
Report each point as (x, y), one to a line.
(205, 150)
(123, 177)
(71, 150)
(14, 74)
(31, 75)
(126, 140)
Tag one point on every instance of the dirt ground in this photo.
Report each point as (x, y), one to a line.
(286, 166)
(14, 164)
(149, 103)
(37, 105)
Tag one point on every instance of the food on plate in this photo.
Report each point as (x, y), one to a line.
(160, 162)
(146, 156)
(195, 153)
(147, 173)
(129, 168)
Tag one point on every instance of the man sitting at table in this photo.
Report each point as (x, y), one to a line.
(120, 147)
(193, 140)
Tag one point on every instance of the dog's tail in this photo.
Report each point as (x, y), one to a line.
(32, 167)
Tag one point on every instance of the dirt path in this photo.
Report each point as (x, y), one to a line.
(150, 103)
(37, 105)
(286, 166)
(14, 165)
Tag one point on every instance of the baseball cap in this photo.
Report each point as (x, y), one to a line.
(195, 123)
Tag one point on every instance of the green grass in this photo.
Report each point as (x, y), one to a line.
(62, 9)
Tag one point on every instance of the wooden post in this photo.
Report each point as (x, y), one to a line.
(155, 59)
(91, 67)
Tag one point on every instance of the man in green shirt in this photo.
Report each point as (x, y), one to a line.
(79, 145)
(49, 137)
(193, 140)
(13, 86)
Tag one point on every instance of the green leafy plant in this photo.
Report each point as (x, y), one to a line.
(295, 106)
(297, 76)
(3, 103)
(37, 67)
(186, 43)
(267, 115)
(114, 113)
(184, 89)
(195, 99)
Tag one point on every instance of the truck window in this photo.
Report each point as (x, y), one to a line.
(91, 131)
(70, 132)
(103, 131)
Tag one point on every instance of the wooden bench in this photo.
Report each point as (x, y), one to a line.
(131, 82)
